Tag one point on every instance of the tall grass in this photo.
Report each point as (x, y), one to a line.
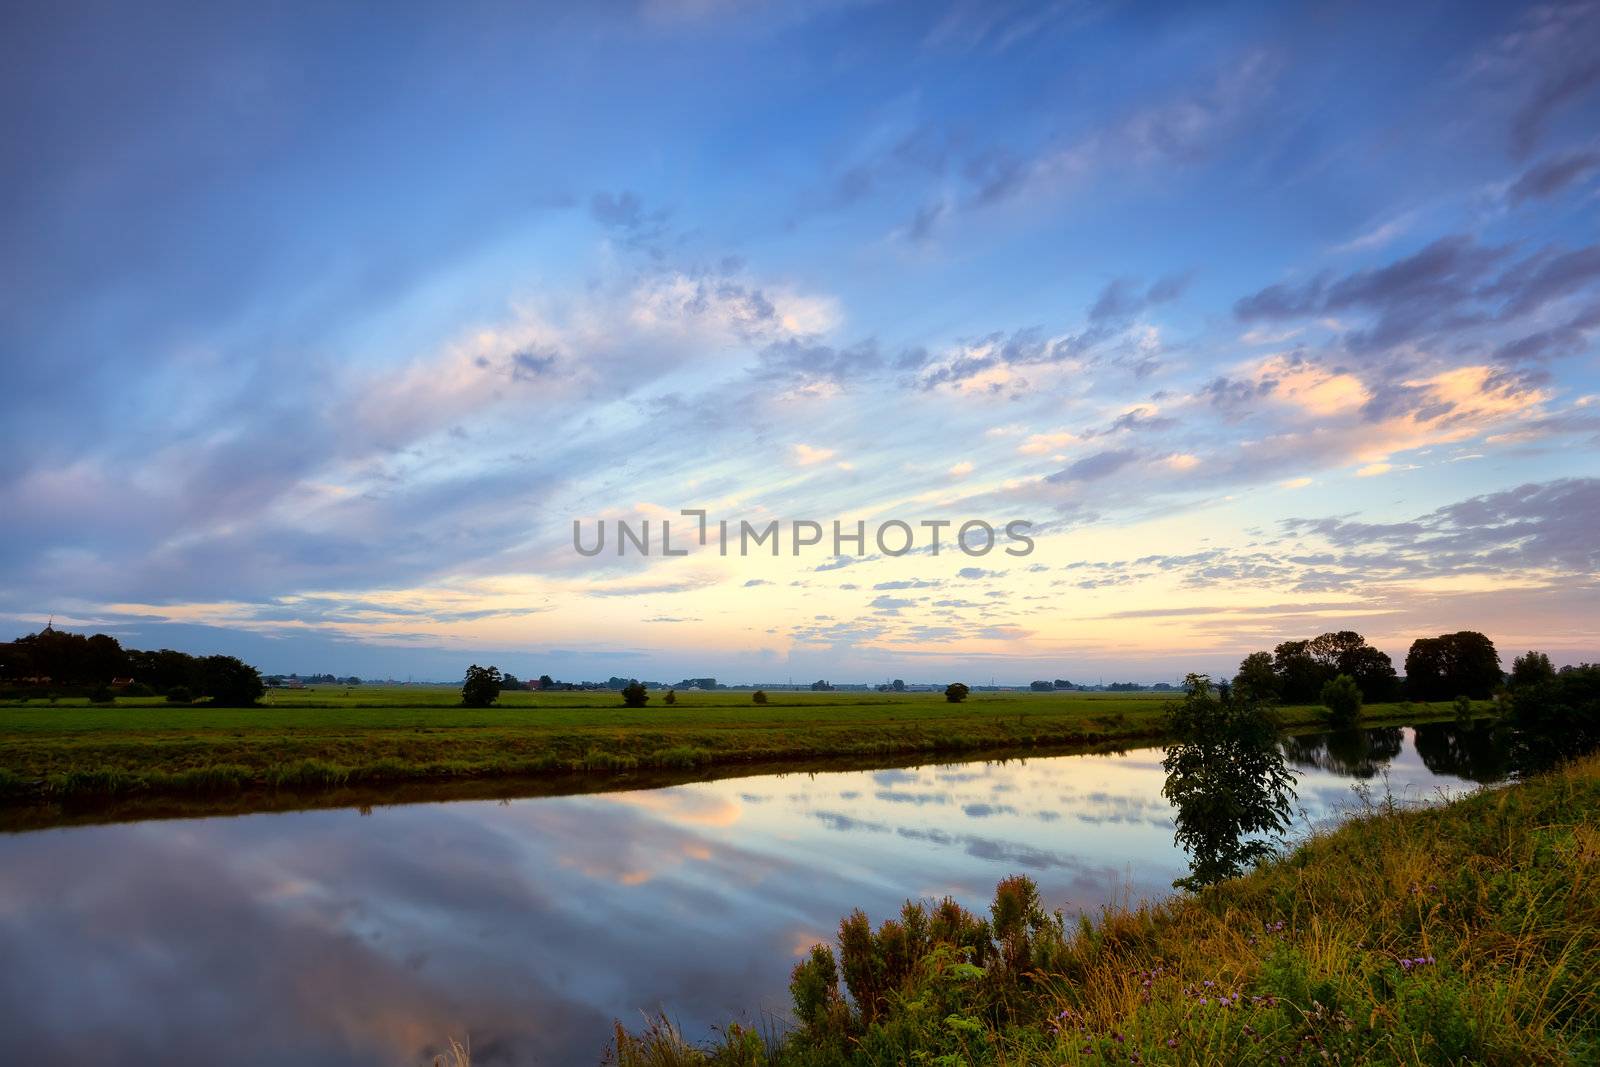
(1468, 933)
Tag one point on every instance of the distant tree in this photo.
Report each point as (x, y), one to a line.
(1451, 665)
(1042, 687)
(671, 697)
(1531, 668)
(179, 695)
(1347, 652)
(481, 686)
(821, 686)
(898, 685)
(102, 695)
(1342, 699)
(510, 681)
(352, 680)
(546, 682)
(635, 695)
(1227, 778)
(229, 682)
(1300, 676)
(759, 696)
(1257, 677)
(956, 692)
(1062, 683)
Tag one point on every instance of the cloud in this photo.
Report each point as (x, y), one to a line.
(806, 455)
(1094, 467)
(1550, 176)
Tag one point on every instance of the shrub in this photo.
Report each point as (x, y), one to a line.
(1342, 697)
(956, 692)
(671, 697)
(635, 695)
(102, 695)
(139, 689)
(1463, 708)
(179, 695)
(759, 696)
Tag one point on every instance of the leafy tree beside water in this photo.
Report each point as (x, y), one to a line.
(481, 687)
(1451, 665)
(1227, 779)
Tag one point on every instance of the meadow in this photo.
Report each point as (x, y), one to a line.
(333, 737)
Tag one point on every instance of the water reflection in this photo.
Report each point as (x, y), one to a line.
(332, 937)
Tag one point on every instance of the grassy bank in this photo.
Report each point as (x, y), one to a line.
(1463, 934)
(330, 739)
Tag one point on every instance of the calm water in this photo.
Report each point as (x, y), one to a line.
(334, 937)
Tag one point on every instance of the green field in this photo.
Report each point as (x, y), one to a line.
(333, 737)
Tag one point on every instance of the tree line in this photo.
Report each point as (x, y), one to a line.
(58, 661)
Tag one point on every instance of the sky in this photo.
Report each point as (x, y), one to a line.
(321, 326)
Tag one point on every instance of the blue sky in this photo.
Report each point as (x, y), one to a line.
(320, 328)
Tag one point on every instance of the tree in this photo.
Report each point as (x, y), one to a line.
(1042, 687)
(1256, 676)
(635, 695)
(1451, 665)
(1300, 676)
(821, 686)
(759, 696)
(671, 697)
(481, 687)
(1531, 668)
(230, 682)
(1226, 777)
(1557, 718)
(1342, 697)
(956, 692)
(102, 695)
(1062, 683)
(510, 681)
(179, 695)
(898, 685)
(546, 682)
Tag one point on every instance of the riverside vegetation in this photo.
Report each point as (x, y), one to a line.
(1468, 933)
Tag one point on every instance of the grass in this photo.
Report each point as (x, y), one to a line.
(1463, 934)
(330, 738)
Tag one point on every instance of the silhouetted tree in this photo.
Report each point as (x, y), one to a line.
(1256, 677)
(481, 687)
(956, 692)
(635, 695)
(759, 696)
(229, 681)
(1531, 668)
(1452, 665)
(671, 697)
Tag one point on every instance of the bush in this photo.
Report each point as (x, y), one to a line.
(102, 695)
(179, 695)
(635, 695)
(671, 697)
(1342, 697)
(956, 692)
(1463, 708)
(759, 696)
(139, 689)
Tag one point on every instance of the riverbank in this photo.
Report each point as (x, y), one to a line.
(1467, 933)
(84, 754)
